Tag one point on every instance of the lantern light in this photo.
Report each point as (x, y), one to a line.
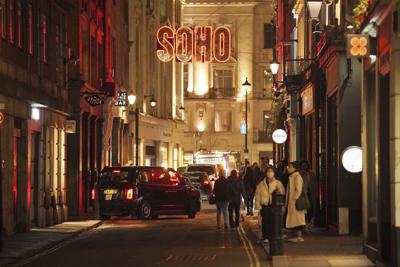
(274, 66)
(314, 8)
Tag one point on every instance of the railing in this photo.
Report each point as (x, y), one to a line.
(262, 137)
(214, 93)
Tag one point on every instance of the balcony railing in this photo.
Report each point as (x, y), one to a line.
(262, 137)
(214, 93)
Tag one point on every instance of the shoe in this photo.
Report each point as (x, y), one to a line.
(300, 239)
(266, 241)
(293, 239)
(284, 236)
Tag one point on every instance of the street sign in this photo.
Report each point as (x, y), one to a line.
(94, 100)
(70, 126)
(279, 136)
(2, 117)
(121, 100)
(358, 45)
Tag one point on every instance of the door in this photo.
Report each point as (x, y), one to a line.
(34, 196)
(330, 191)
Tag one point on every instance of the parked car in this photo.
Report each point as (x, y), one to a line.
(210, 169)
(146, 192)
(181, 170)
(200, 180)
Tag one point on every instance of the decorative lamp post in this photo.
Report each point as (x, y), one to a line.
(246, 86)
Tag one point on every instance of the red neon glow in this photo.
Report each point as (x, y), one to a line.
(92, 194)
(201, 42)
(222, 44)
(19, 22)
(206, 182)
(116, 171)
(30, 30)
(184, 44)
(44, 38)
(3, 20)
(165, 40)
(129, 194)
(11, 20)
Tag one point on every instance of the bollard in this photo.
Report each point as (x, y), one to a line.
(276, 240)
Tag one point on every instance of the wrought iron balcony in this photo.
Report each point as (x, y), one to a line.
(214, 93)
(262, 137)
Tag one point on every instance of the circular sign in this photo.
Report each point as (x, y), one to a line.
(352, 159)
(2, 117)
(279, 136)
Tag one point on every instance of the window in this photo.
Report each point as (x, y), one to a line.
(223, 121)
(266, 119)
(223, 78)
(185, 77)
(19, 24)
(3, 18)
(11, 20)
(44, 38)
(30, 29)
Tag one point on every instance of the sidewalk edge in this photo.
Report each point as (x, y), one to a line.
(33, 252)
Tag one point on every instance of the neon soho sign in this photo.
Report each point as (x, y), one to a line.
(201, 43)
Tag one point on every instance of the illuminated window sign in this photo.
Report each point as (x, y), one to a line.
(201, 43)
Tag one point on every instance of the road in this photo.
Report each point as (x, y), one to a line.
(168, 241)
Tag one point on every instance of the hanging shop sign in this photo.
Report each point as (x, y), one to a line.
(200, 43)
(279, 136)
(307, 97)
(358, 45)
(70, 126)
(121, 99)
(2, 117)
(94, 100)
(352, 159)
(243, 127)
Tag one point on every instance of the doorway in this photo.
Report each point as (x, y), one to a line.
(34, 196)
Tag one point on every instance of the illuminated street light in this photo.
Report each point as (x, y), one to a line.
(274, 66)
(131, 99)
(314, 8)
(153, 102)
(246, 85)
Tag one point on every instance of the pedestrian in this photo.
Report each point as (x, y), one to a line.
(282, 172)
(221, 199)
(250, 188)
(295, 219)
(312, 185)
(263, 200)
(235, 194)
(258, 175)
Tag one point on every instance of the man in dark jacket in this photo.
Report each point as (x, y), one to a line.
(235, 192)
(221, 198)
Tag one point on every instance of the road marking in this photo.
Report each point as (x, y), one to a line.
(251, 248)
(249, 255)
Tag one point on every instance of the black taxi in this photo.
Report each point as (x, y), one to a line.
(146, 192)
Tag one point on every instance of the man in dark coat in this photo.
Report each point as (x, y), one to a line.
(235, 192)
(221, 198)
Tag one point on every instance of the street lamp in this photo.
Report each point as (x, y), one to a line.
(136, 113)
(153, 102)
(246, 85)
(274, 67)
(314, 7)
(131, 99)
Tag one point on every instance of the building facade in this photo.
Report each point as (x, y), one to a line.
(381, 132)
(33, 99)
(215, 110)
(154, 82)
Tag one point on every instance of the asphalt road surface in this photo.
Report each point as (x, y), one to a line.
(168, 241)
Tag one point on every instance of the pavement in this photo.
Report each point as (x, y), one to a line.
(320, 249)
(22, 246)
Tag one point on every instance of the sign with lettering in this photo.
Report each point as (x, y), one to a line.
(201, 43)
(307, 97)
(121, 100)
(94, 100)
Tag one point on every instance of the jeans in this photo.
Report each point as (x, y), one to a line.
(266, 215)
(249, 203)
(234, 207)
(222, 207)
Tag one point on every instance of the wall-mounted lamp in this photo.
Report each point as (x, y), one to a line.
(314, 8)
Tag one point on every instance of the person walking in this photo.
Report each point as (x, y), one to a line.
(250, 188)
(263, 200)
(295, 218)
(221, 199)
(258, 175)
(235, 192)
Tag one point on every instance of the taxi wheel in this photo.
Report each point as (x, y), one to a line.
(145, 211)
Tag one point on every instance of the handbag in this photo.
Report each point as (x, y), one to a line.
(302, 203)
(212, 200)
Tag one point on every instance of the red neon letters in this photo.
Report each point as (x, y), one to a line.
(202, 43)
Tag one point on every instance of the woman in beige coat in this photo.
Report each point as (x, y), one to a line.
(295, 219)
